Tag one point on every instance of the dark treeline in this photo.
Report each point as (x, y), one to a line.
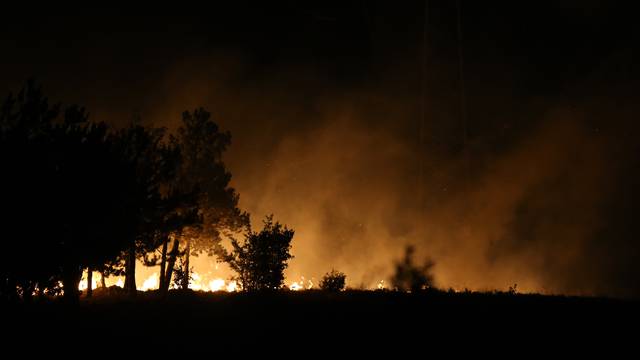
(81, 195)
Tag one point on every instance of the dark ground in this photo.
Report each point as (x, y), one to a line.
(312, 321)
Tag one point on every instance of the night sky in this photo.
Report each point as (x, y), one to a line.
(325, 99)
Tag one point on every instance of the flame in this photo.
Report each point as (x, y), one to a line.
(232, 286)
(216, 285)
(309, 283)
(295, 286)
(150, 283)
(94, 281)
(381, 285)
(198, 282)
(302, 284)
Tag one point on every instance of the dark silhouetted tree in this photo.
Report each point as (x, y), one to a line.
(77, 195)
(261, 259)
(70, 192)
(162, 209)
(333, 281)
(28, 254)
(202, 171)
(411, 277)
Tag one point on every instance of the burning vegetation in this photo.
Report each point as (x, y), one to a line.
(402, 173)
(108, 200)
(136, 207)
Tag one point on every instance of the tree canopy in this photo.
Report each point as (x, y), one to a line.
(77, 194)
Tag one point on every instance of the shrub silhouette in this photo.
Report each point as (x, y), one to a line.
(333, 281)
(261, 259)
(411, 277)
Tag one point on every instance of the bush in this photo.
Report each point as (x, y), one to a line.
(410, 277)
(261, 259)
(333, 281)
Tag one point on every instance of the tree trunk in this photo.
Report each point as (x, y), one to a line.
(103, 281)
(89, 282)
(185, 279)
(170, 264)
(130, 272)
(71, 277)
(163, 263)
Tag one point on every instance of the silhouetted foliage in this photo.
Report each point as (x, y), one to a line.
(411, 277)
(201, 172)
(333, 281)
(164, 209)
(202, 145)
(181, 277)
(68, 197)
(261, 259)
(78, 195)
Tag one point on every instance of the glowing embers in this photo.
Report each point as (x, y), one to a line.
(295, 286)
(152, 282)
(96, 281)
(301, 285)
(200, 283)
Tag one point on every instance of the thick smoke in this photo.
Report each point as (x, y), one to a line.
(341, 169)
(542, 193)
(350, 190)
